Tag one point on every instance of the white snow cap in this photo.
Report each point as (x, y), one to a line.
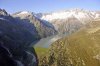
(24, 12)
(77, 13)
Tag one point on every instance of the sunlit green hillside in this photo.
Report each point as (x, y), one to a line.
(41, 53)
(80, 49)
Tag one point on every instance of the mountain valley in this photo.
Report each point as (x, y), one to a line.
(63, 38)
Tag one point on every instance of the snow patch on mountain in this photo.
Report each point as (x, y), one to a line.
(80, 14)
(24, 12)
(2, 18)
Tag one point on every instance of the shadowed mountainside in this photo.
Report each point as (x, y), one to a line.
(15, 41)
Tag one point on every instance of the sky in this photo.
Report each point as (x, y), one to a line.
(37, 6)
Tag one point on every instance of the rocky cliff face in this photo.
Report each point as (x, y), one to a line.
(15, 43)
(43, 28)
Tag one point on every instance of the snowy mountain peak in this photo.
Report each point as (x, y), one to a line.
(77, 9)
(3, 12)
(77, 13)
(23, 13)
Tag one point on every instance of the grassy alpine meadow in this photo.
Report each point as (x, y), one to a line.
(42, 54)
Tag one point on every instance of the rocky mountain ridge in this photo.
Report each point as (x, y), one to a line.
(15, 41)
(65, 20)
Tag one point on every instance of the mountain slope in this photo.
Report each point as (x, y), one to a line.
(25, 25)
(66, 22)
(42, 28)
(72, 19)
(79, 49)
(61, 22)
(15, 44)
(77, 13)
(15, 41)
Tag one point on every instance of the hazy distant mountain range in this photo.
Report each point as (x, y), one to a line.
(78, 29)
(64, 22)
(59, 23)
(69, 21)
